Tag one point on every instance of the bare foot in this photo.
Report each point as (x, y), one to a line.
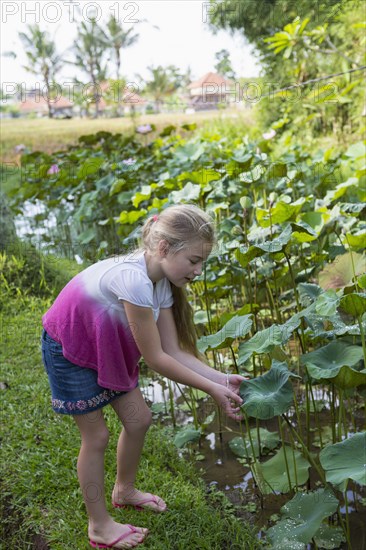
(116, 535)
(133, 497)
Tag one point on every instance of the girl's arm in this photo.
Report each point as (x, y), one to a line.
(170, 344)
(146, 335)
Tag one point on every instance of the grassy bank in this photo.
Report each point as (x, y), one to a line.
(51, 135)
(42, 506)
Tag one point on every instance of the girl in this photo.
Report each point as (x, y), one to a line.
(102, 322)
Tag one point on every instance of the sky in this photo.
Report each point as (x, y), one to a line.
(172, 32)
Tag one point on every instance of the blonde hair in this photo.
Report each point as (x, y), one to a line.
(180, 226)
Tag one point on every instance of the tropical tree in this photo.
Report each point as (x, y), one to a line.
(163, 83)
(90, 50)
(119, 39)
(256, 20)
(223, 64)
(43, 59)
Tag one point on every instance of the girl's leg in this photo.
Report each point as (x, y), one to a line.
(136, 418)
(90, 467)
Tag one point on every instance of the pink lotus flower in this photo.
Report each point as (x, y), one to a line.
(144, 129)
(129, 162)
(20, 148)
(53, 170)
(270, 134)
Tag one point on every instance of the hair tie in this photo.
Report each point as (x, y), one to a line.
(155, 218)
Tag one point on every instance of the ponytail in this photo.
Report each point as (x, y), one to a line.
(183, 317)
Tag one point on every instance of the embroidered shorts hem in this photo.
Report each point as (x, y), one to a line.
(74, 389)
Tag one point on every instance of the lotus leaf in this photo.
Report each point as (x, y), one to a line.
(201, 177)
(186, 435)
(303, 232)
(268, 395)
(252, 175)
(316, 220)
(340, 190)
(280, 213)
(345, 460)
(142, 195)
(87, 236)
(131, 217)
(190, 192)
(90, 166)
(189, 152)
(354, 303)
(327, 303)
(268, 440)
(356, 241)
(308, 292)
(302, 518)
(329, 537)
(263, 341)
(239, 325)
(340, 273)
(334, 362)
(356, 150)
(272, 474)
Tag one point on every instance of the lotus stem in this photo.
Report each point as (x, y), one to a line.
(321, 475)
(332, 408)
(244, 442)
(258, 437)
(340, 416)
(273, 304)
(284, 453)
(293, 281)
(234, 359)
(348, 535)
(305, 449)
(307, 414)
(250, 436)
(294, 461)
(316, 414)
(194, 409)
(171, 403)
(362, 333)
(296, 405)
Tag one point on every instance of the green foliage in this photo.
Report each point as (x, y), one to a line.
(26, 272)
(42, 57)
(302, 520)
(286, 274)
(334, 363)
(345, 460)
(223, 64)
(269, 395)
(284, 471)
(243, 449)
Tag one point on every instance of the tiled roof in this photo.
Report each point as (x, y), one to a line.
(39, 104)
(210, 78)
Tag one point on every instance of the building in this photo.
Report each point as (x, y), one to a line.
(211, 91)
(37, 105)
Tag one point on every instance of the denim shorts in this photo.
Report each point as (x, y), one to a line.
(74, 389)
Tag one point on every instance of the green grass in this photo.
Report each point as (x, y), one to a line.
(41, 500)
(50, 135)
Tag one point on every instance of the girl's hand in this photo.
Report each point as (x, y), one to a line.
(227, 400)
(234, 381)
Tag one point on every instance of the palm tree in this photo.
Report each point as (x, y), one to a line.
(118, 40)
(42, 57)
(164, 82)
(89, 49)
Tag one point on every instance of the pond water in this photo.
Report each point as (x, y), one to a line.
(219, 467)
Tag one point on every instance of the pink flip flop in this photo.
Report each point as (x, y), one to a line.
(122, 537)
(139, 506)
